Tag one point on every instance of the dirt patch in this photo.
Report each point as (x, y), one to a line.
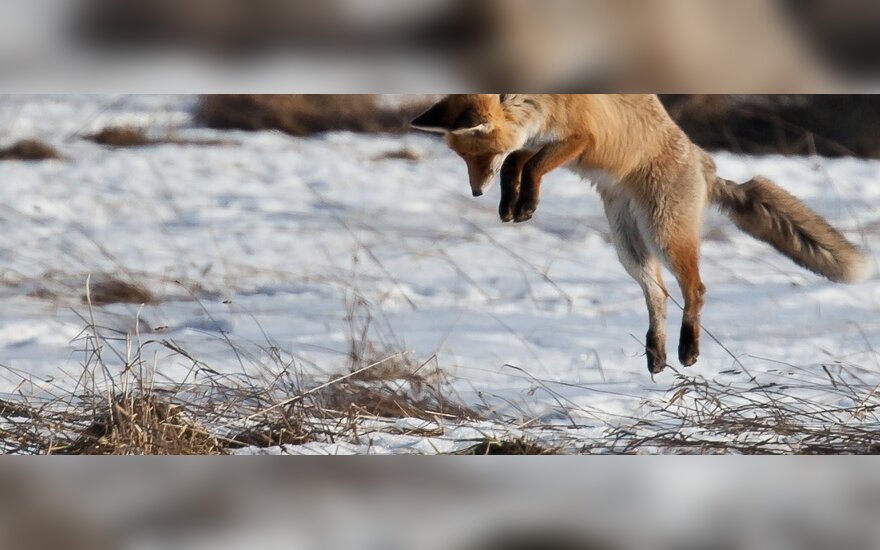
(304, 114)
(31, 150)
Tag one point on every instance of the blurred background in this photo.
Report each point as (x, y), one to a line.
(749, 46)
(430, 504)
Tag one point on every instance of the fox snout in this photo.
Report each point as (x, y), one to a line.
(481, 182)
(482, 171)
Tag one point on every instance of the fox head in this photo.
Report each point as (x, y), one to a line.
(476, 128)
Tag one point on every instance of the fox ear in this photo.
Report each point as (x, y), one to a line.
(437, 119)
(469, 122)
(434, 119)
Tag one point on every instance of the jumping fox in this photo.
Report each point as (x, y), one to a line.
(654, 184)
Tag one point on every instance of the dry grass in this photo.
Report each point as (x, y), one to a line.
(395, 386)
(130, 414)
(142, 423)
(121, 407)
(304, 114)
(130, 424)
(703, 416)
(31, 150)
(390, 400)
(122, 410)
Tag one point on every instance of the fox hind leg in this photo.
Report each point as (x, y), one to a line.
(651, 282)
(670, 220)
(684, 260)
(643, 266)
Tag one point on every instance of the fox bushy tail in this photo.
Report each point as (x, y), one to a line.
(769, 213)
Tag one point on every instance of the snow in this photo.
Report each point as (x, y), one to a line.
(271, 241)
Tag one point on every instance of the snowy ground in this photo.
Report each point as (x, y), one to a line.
(270, 241)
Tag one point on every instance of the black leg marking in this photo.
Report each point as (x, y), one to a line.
(688, 344)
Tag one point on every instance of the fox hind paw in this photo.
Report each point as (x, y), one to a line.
(656, 361)
(689, 346)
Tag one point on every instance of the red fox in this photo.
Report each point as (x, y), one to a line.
(654, 184)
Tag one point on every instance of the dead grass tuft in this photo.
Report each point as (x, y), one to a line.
(390, 400)
(304, 114)
(144, 425)
(385, 383)
(116, 291)
(31, 150)
(287, 430)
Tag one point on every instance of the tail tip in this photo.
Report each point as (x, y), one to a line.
(859, 270)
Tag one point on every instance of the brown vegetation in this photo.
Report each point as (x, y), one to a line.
(399, 154)
(120, 136)
(128, 136)
(29, 149)
(126, 411)
(702, 416)
(303, 114)
(138, 424)
(827, 125)
(113, 291)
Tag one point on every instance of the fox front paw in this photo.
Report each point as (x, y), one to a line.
(505, 211)
(524, 211)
